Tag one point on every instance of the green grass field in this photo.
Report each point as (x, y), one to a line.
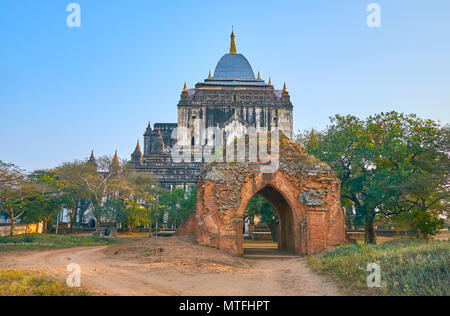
(408, 268)
(43, 242)
(15, 283)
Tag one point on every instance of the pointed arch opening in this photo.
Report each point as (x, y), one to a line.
(268, 224)
(304, 193)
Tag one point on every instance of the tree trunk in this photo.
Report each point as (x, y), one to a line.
(13, 226)
(350, 225)
(98, 217)
(371, 237)
(72, 218)
(57, 224)
(46, 225)
(274, 231)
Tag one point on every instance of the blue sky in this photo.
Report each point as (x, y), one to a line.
(64, 92)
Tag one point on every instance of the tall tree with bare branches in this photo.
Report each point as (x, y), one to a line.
(14, 190)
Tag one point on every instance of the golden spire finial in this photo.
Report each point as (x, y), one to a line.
(185, 87)
(270, 81)
(209, 76)
(115, 159)
(259, 75)
(115, 165)
(285, 88)
(233, 43)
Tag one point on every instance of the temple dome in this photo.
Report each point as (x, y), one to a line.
(234, 66)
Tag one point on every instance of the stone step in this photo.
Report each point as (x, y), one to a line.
(267, 254)
(269, 257)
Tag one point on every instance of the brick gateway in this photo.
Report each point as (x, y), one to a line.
(304, 192)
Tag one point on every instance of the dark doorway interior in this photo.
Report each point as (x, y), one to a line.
(268, 225)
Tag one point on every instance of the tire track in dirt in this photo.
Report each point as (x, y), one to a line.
(107, 275)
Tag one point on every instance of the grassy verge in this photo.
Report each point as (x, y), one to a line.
(42, 242)
(408, 268)
(15, 283)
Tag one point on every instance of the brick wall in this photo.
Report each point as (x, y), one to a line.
(22, 229)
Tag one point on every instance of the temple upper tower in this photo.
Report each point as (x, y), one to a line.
(235, 100)
(231, 99)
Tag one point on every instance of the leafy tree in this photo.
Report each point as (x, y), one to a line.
(155, 212)
(413, 162)
(179, 204)
(345, 145)
(427, 223)
(136, 215)
(14, 191)
(141, 199)
(188, 205)
(260, 207)
(48, 198)
(43, 209)
(69, 179)
(170, 203)
(104, 179)
(388, 164)
(114, 211)
(138, 185)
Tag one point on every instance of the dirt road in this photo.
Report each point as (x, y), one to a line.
(173, 266)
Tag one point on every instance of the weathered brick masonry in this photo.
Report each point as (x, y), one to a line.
(304, 191)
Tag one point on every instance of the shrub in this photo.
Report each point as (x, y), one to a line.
(411, 267)
(42, 241)
(16, 283)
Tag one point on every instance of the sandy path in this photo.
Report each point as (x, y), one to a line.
(132, 275)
